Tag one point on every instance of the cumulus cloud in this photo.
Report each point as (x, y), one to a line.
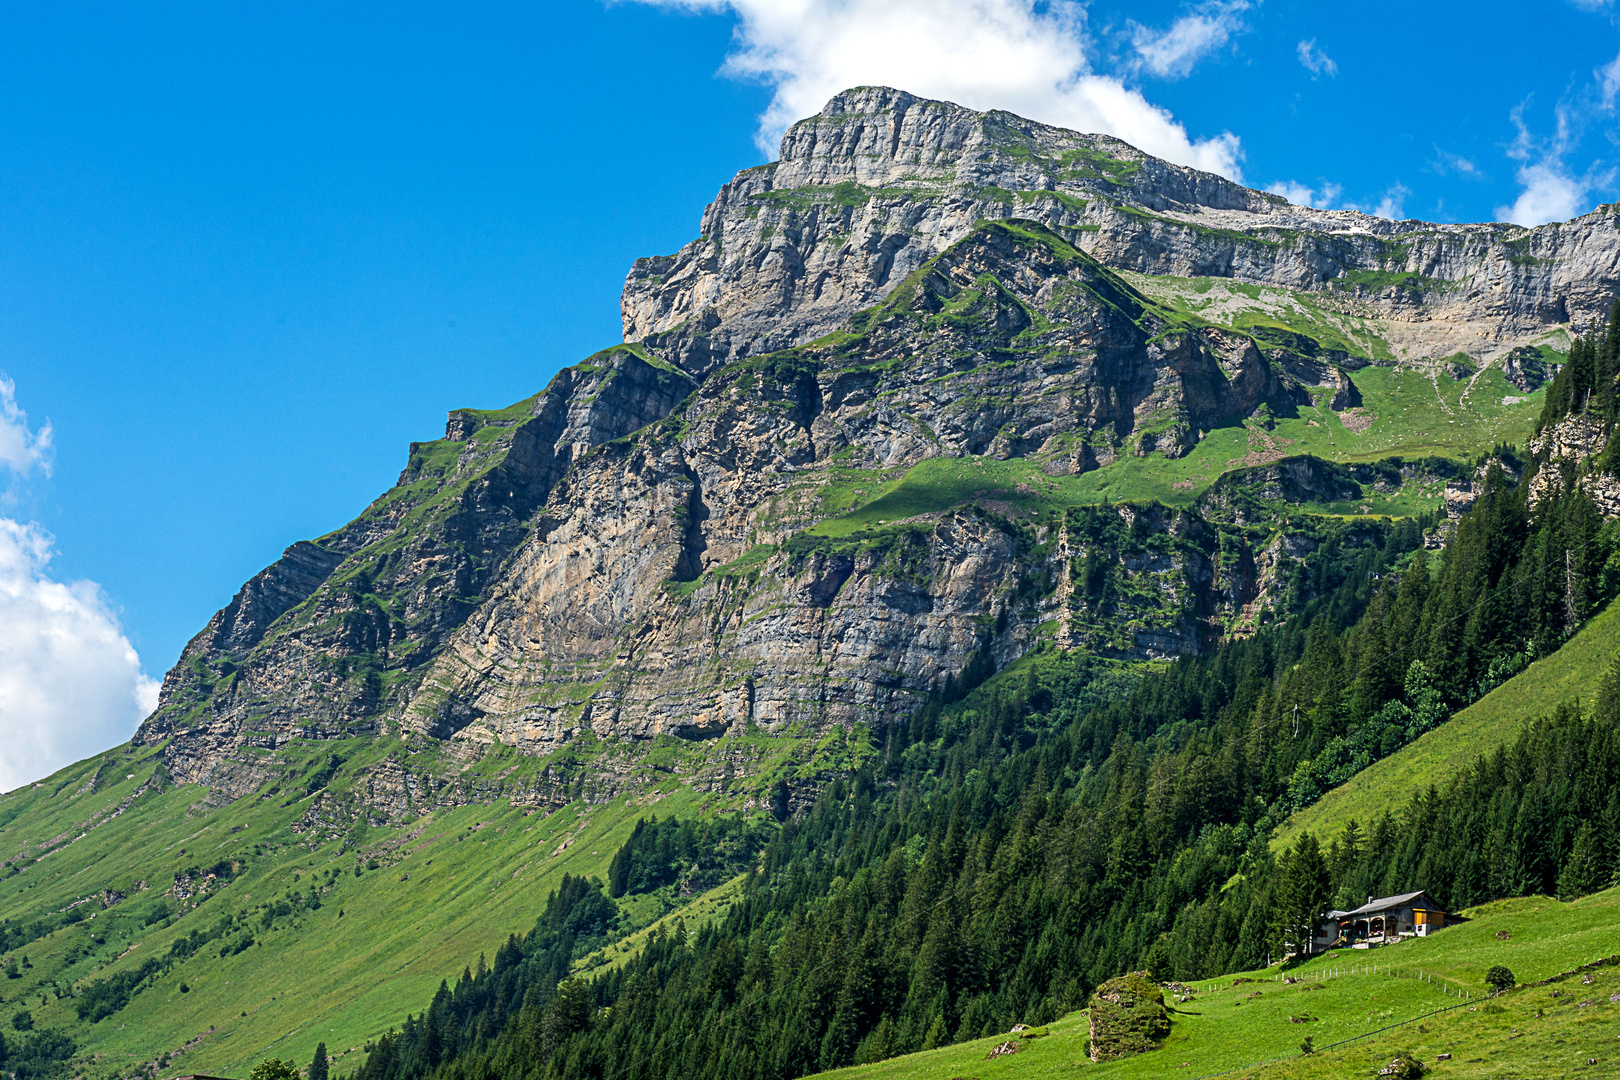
(21, 450)
(1551, 193)
(1172, 53)
(1018, 55)
(1390, 204)
(1315, 60)
(70, 682)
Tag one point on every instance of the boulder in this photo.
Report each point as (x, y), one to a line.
(1127, 1017)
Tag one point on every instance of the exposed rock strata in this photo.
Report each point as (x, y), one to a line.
(653, 545)
(880, 181)
(1564, 453)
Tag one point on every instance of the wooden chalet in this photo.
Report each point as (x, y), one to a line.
(1383, 919)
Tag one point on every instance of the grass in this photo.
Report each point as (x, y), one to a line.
(1230, 1025)
(709, 907)
(1409, 420)
(1409, 416)
(1571, 673)
(450, 883)
(936, 484)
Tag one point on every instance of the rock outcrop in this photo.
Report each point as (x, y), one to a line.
(828, 467)
(1565, 454)
(1126, 1016)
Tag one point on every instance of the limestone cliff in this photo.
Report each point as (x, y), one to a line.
(882, 181)
(843, 452)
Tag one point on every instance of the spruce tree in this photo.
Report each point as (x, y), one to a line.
(1302, 894)
(318, 1064)
(1584, 871)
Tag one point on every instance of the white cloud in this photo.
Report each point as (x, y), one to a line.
(1608, 78)
(1550, 194)
(21, 449)
(1315, 60)
(1172, 53)
(1392, 204)
(70, 682)
(1029, 58)
(1389, 205)
(1447, 162)
(1551, 191)
(1301, 195)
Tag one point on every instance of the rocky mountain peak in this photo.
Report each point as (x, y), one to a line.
(881, 180)
(844, 452)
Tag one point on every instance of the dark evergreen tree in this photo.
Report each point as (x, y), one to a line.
(1304, 888)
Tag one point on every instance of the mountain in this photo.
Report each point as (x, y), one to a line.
(747, 517)
(985, 536)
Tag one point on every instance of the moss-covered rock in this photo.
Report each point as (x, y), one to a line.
(1127, 1017)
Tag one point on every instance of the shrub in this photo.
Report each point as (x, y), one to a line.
(1500, 978)
(274, 1069)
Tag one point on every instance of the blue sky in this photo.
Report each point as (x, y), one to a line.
(248, 255)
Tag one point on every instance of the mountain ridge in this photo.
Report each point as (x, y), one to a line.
(785, 253)
(650, 489)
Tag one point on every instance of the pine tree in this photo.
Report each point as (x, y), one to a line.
(318, 1065)
(1302, 894)
(568, 1012)
(1585, 870)
(273, 1069)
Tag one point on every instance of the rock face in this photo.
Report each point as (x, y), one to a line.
(882, 181)
(828, 467)
(316, 644)
(1564, 453)
(1127, 1016)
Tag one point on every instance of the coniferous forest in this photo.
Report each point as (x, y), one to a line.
(1023, 840)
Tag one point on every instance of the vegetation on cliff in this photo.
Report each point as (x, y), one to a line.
(1012, 851)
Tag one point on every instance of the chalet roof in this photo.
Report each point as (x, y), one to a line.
(1384, 904)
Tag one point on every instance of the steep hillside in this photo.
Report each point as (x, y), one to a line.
(970, 486)
(1572, 674)
(144, 921)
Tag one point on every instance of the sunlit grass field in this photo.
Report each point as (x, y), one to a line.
(1236, 1024)
(449, 885)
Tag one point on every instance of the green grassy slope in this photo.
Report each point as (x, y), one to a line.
(1411, 420)
(707, 907)
(1232, 1025)
(1570, 674)
(447, 886)
(1410, 417)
